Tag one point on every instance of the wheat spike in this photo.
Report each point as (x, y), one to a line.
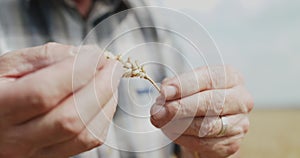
(132, 69)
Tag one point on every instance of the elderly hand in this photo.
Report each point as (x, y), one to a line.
(39, 88)
(204, 111)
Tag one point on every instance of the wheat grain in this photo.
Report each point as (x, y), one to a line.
(133, 69)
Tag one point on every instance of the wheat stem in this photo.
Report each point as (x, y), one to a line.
(152, 82)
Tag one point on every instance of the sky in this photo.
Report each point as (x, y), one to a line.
(261, 38)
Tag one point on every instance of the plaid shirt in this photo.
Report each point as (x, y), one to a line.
(27, 23)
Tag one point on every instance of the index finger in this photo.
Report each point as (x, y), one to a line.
(21, 62)
(200, 79)
(39, 92)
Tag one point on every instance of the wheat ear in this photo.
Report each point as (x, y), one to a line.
(133, 69)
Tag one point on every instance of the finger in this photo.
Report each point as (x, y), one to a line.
(208, 126)
(20, 62)
(211, 147)
(100, 123)
(70, 118)
(208, 103)
(41, 91)
(84, 142)
(204, 78)
(93, 136)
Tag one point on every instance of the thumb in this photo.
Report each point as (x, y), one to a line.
(21, 62)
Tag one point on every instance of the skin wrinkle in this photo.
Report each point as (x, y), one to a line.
(32, 59)
(207, 127)
(177, 106)
(238, 124)
(42, 123)
(230, 100)
(211, 146)
(37, 61)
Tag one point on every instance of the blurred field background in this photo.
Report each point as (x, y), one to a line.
(273, 134)
(262, 39)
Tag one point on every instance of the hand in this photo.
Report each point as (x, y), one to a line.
(191, 106)
(39, 89)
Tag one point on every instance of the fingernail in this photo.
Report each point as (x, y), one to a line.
(170, 91)
(158, 112)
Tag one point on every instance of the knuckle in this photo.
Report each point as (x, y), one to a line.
(217, 102)
(196, 126)
(37, 98)
(205, 73)
(207, 103)
(218, 75)
(242, 127)
(156, 123)
(249, 103)
(232, 148)
(209, 81)
(172, 108)
(207, 127)
(237, 76)
(88, 141)
(68, 125)
(246, 102)
(246, 125)
(44, 54)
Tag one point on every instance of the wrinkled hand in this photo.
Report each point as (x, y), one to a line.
(39, 88)
(191, 106)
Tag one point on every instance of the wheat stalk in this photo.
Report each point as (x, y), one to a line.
(133, 69)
